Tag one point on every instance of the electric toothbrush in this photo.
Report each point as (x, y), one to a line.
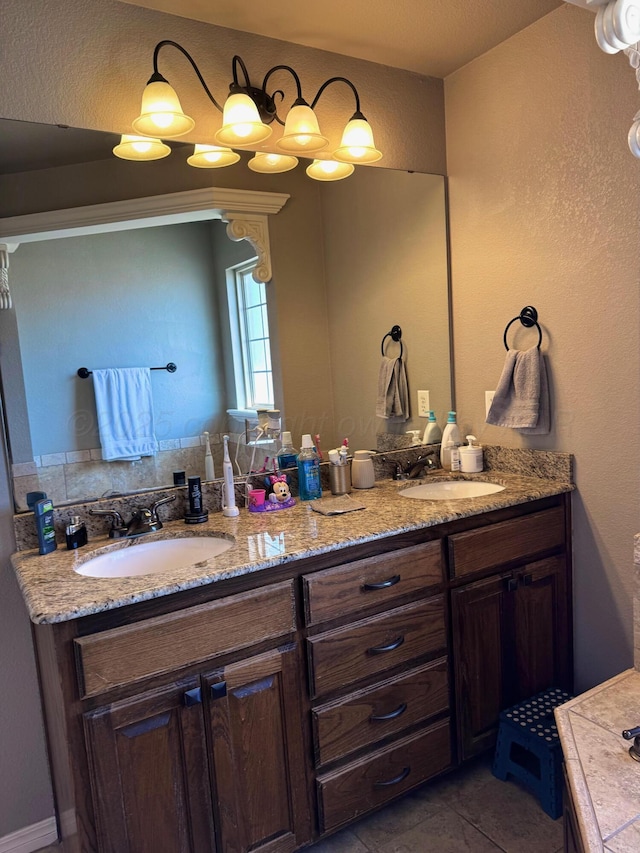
(229, 508)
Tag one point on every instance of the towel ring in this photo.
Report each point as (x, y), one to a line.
(529, 318)
(396, 335)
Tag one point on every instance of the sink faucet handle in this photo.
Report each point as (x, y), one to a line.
(627, 734)
(118, 527)
(156, 504)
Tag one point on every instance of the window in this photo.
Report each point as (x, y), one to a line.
(250, 333)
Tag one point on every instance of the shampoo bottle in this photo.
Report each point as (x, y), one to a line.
(451, 434)
(308, 471)
(432, 432)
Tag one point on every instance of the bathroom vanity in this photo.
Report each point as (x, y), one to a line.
(316, 670)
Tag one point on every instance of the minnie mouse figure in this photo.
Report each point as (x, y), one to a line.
(278, 488)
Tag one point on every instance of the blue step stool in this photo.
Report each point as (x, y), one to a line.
(529, 749)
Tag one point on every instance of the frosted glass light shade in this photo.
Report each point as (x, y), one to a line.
(212, 157)
(241, 124)
(268, 163)
(357, 145)
(301, 132)
(140, 148)
(329, 170)
(161, 112)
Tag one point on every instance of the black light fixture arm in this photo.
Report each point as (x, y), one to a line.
(157, 76)
(331, 80)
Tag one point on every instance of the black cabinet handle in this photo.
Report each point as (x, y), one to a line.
(219, 690)
(511, 584)
(370, 587)
(527, 580)
(380, 650)
(382, 718)
(399, 778)
(192, 697)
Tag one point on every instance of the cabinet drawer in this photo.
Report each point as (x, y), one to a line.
(368, 716)
(166, 643)
(366, 784)
(518, 538)
(375, 580)
(374, 645)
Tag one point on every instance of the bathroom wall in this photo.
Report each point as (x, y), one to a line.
(544, 211)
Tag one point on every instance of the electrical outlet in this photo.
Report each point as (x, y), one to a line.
(423, 404)
(488, 400)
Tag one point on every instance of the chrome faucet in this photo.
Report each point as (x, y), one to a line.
(143, 520)
(414, 468)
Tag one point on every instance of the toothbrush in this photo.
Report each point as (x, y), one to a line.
(316, 439)
(229, 508)
(209, 470)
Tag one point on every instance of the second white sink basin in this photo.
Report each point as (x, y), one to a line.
(161, 555)
(447, 490)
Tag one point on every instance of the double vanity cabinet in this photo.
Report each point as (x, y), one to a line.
(263, 711)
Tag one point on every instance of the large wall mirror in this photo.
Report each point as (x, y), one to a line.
(350, 260)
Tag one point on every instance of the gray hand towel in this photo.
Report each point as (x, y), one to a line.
(393, 392)
(521, 400)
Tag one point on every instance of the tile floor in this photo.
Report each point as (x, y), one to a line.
(469, 810)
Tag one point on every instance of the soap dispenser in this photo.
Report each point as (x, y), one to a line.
(471, 456)
(432, 432)
(452, 435)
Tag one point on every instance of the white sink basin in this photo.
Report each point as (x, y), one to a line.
(148, 558)
(448, 490)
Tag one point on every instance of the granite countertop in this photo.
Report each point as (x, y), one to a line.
(54, 592)
(604, 779)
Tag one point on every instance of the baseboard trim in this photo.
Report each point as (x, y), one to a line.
(30, 838)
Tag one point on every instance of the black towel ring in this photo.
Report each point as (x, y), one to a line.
(395, 334)
(529, 318)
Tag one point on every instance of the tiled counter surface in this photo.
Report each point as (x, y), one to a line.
(604, 779)
(54, 592)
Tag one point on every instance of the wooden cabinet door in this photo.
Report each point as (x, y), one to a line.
(258, 762)
(541, 624)
(151, 785)
(512, 639)
(479, 624)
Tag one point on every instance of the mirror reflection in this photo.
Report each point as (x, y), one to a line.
(350, 260)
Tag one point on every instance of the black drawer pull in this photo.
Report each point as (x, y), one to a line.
(399, 778)
(527, 580)
(380, 650)
(511, 584)
(382, 718)
(370, 587)
(192, 697)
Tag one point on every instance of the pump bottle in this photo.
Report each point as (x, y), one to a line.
(432, 432)
(452, 435)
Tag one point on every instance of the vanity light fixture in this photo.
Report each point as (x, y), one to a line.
(141, 148)
(212, 157)
(329, 170)
(269, 163)
(247, 116)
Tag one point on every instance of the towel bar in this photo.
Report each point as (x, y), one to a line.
(395, 334)
(529, 318)
(84, 372)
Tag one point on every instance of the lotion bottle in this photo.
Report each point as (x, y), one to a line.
(432, 432)
(452, 435)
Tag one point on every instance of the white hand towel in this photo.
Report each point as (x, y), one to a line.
(125, 412)
(393, 392)
(521, 400)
